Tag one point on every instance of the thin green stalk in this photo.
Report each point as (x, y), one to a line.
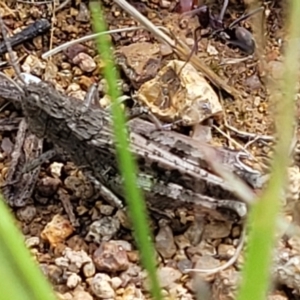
(20, 278)
(263, 217)
(136, 204)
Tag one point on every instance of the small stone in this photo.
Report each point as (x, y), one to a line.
(33, 65)
(103, 229)
(217, 230)
(84, 14)
(168, 277)
(85, 62)
(225, 283)
(73, 281)
(130, 292)
(77, 243)
(204, 248)
(206, 262)
(54, 274)
(253, 82)
(82, 295)
(100, 286)
(133, 256)
(164, 241)
(182, 241)
(211, 50)
(123, 219)
(32, 242)
(62, 262)
(65, 296)
(277, 295)
(57, 230)
(165, 49)
(294, 243)
(110, 257)
(6, 145)
(76, 259)
(184, 264)
(86, 81)
(195, 232)
(257, 101)
(89, 269)
(26, 214)
(55, 169)
(275, 69)
(48, 186)
(116, 282)
(106, 210)
(74, 50)
(79, 187)
(124, 244)
(139, 61)
(134, 273)
(225, 250)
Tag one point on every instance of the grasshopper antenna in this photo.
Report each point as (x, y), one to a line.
(10, 53)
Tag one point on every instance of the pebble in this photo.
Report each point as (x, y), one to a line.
(206, 262)
(54, 273)
(225, 250)
(116, 282)
(76, 259)
(101, 288)
(33, 65)
(57, 230)
(294, 243)
(89, 269)
(253, 82)
(6, 145)
(275, 69)
(131, 293)
(85, 62)
(110, 257)
(62, 262)
(217, 230)
(134, 274)
(195, 232)
(168, 277)
(32, 242)
(55, 169)
(82, 295)
(73, 281)
(83, 14)
(204, 248)
(184, 264)
(48, 186)
(26, 214)
(103, 229)
(164, 241)
(182, 241)
(106, 210)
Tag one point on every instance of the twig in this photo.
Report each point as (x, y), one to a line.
(84, 39)
(247, 135)
(229, 263)
(10, 52)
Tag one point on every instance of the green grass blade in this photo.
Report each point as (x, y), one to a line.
(136, 204)
(20, 278)
(263, 217)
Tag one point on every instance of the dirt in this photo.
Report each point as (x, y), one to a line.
(86, 248)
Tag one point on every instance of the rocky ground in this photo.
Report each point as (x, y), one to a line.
(85, 247)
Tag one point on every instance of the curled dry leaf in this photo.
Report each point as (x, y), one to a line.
(180, 95)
